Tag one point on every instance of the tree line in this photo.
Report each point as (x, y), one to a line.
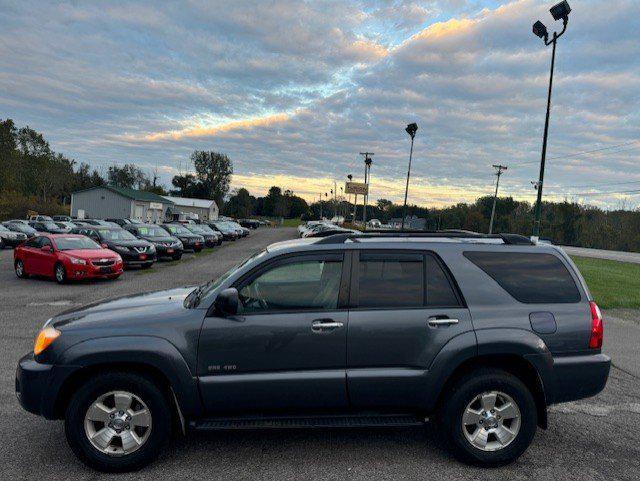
(35, 178)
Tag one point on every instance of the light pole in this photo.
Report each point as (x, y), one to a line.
(499, 170)
(411, 130)
(558, 12)
(355, 201)
(367, 171)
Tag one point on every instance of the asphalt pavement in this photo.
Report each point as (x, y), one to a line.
(597, 438)
(603, 254)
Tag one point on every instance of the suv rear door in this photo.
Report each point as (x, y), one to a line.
(286, 348)
(405, 308)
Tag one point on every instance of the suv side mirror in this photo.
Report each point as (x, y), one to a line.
(46, 248)
(227, 302)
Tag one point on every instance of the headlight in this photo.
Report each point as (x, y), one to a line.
(80, 262)
(44, 338)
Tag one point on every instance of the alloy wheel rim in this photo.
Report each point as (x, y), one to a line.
(118, 423)
(19, 268)
(491, 421)
(60, 273)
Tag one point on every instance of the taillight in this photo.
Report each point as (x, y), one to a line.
(597, 328)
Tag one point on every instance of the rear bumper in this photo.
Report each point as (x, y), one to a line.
(578, 377)
(13, 242)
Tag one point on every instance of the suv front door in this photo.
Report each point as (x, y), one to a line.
(405, 309)
(286, 347)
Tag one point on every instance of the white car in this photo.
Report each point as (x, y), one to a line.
(10, 238)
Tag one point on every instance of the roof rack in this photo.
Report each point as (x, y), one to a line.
(510, 239)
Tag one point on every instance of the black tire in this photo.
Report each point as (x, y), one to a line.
(197, 250)
(152, 396)
(177, 257)
(463, 392)
(60, 273)
(23, 274)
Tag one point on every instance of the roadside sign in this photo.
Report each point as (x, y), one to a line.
(358, 188)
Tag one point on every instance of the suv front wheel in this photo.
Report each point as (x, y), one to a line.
(489, 418)
(118, 422)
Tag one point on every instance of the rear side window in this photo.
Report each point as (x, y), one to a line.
(390, 280)
(440, 293)
(530, 278)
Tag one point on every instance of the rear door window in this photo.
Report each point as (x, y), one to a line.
(390, 280)
(529, 277)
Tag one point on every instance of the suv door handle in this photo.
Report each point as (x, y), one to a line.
(321, 325)
(437, 321)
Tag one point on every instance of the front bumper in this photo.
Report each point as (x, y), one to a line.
(165, 251)
(89, 271)
(135, 259)
(578, 377)
(38, 385)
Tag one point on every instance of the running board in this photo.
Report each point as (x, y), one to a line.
(308, 422)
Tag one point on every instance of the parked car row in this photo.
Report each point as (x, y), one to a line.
(321, 228)
(68, 249)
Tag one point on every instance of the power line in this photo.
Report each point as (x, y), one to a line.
(585, 152)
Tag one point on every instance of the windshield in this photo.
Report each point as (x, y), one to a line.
(178, 229)
(206, 229)
(22, 228)
(204, 290)
(153, 232)
(225, 225)
(50, 225)
(196, 229)
(73, 243)
(116, 234)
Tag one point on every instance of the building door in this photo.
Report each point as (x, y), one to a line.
(138, 211)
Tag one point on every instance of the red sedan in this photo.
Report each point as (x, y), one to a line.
(66, 257)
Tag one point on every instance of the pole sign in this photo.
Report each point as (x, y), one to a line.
(358, 188)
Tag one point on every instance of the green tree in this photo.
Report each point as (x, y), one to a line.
(214, 171)
(128, 176)
(240, 205)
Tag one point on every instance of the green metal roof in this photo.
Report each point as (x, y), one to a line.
(134, 194)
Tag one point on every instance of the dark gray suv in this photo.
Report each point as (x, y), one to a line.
(479, 334)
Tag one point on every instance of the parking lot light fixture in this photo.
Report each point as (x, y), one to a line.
(559, 11)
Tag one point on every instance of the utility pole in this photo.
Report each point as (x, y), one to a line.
(499, 170)
(335, 199)
(321, 206)
(367, 170)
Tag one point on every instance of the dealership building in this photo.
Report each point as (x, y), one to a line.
(117, 202)
(183, 208)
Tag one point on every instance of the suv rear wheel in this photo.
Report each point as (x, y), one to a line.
(118, 422)
(489, 418)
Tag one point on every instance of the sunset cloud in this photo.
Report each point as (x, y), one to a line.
(293, 91)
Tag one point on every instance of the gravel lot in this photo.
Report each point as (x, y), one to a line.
(594, 439)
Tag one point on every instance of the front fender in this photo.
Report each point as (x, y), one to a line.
(154, 352)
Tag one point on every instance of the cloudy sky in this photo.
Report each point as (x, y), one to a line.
(292, 91)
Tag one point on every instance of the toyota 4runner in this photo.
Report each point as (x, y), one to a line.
(479, 334)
